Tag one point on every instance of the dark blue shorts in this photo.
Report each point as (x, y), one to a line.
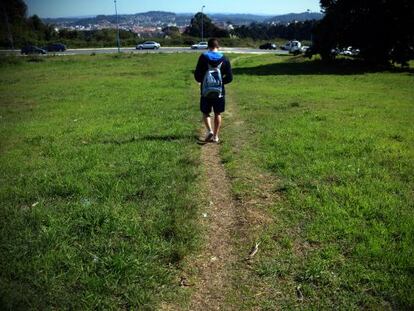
(217, 104)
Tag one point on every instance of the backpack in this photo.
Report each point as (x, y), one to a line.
(213, 82)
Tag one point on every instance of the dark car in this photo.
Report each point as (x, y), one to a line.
(311, 51)
(31, 49)
(56, 47)
(268, 46)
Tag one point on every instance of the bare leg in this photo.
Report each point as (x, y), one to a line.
(207, 122)
(217, 124)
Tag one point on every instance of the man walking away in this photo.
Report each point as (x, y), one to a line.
(213, 71)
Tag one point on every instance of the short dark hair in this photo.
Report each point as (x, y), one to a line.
(213, 43)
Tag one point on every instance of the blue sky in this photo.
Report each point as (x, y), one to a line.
(63, 8)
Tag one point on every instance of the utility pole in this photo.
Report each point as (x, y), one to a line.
(118, 43)
(311, 36)
(202, 23)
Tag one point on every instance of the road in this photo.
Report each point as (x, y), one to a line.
(89, 51)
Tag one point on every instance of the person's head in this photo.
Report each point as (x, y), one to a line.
(213, 44)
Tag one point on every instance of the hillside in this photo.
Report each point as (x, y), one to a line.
(154, 18)
(300, 17)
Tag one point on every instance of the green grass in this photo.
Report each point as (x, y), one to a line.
(339, 141)
(98, 179)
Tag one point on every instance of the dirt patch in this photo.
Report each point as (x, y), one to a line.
(234, 225)
(208, 274)
(221, 216)
(220, 276)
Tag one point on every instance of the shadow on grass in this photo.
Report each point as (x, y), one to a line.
(316, 67)
(161, 138)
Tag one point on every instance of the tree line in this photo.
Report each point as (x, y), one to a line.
(257, 31)
(264, 31)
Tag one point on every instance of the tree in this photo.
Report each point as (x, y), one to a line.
(263, 31)
(35, 23)
(209, 29)
(13, 15)
(171, 31)
(383, 30)
(16, 10)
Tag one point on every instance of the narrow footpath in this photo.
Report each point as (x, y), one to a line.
(213, 264)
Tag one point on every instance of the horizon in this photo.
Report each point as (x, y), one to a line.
(183, 13)
(81, 8)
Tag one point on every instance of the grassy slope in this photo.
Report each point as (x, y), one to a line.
(113, 167)
(105, 147)
(340, 141)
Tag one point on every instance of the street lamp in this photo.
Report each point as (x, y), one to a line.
(311, 36)
(202, 23)
(118, 43)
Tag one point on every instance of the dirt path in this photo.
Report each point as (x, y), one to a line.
(214, 262)
(219, 277)
(230, 224)
(233, 227)
(216, 272)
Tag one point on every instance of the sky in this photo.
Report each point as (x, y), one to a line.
(65, 8)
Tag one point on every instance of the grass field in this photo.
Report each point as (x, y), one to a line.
(98, 180)
(339, 142)
(100, 177)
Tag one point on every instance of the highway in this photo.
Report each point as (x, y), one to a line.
(89, 51)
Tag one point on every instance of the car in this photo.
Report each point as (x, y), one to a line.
(31, 49)
(200, 46)
(356, 52)
(349, 51)
(55, 47)
(310, 51)
(148, 45)
(293, 46)
(335, 51)
(268, 46)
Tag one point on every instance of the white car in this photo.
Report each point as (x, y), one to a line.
(349, 51)
(293, 46)
(200, 46)
(148, 45)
